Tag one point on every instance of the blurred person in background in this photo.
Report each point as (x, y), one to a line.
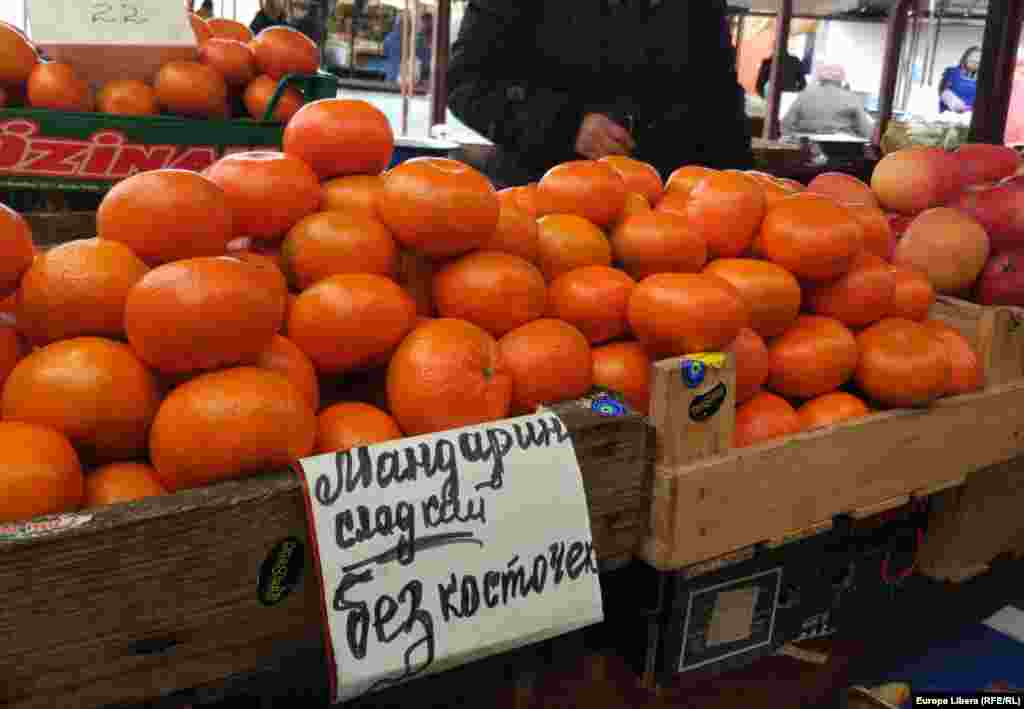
(392, 61)
(302, 15)
(828, 107)
(959, 83)
(793, 78)
(548, 82)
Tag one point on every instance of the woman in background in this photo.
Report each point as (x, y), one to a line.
(959, 84)
(828, 107)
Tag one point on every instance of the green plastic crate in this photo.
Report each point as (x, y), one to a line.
(42, 150)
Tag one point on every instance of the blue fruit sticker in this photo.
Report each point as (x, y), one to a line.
(607, 406)
(693, 372)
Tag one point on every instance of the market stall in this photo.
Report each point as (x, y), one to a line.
(291, 399)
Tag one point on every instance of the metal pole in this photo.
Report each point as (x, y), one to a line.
(897, 27)
(995, 74)
(782, 20)
(439, 63)
(935, 44)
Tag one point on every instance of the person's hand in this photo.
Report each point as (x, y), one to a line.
(600, 136)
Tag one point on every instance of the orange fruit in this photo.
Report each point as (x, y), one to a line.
(17, 57)
(447, 373)
(635, 204)
(353, 424)
(352, 193)
(166, 215)
(493, 290)
(814, 356)
(587, 188)
(339, 137)
(270, 424)
(56, 86)
(16, 249)
(257, 97)
(200, 29)
(657, 242)
(121, 482)
(674, 314)
(330, 243)
(191, 89)
(763, 417)
(684, 179)
(95, 391)
(812, 237)
(861, 296)
(566, 242)
(878, 235)
(640, 177)
(913, 295)
(625, 367)
(283, 50)
(268, 192)
(268, 271)
(903, 363)
(515, 234)
(549, 361)
(523, 198)
(770, 292)
(438, 206)
(201, 313)
(593, 299)
(831, 408)
(127, 97)
(39, 471)
(751, 355)
(224, 28)
(12, 349)
(673, 203)
(284, 357)
(842, 188)
(726, 208)
(234, 60)
(968, 374)
(330, 321)
(78, 288)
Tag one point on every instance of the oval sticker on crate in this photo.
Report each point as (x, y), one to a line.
(19, 531)
(706, 405)
(281, 571)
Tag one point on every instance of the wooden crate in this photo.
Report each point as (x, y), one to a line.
(146, 599)
(706, 507)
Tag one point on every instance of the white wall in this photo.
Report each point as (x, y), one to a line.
(12, 11)
(858, 47)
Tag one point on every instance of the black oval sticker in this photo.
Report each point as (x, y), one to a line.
(281, 571)
(706, 405)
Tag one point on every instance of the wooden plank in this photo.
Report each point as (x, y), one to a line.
(731, 501)
(179, 573)
(974, 524)
(996, 333)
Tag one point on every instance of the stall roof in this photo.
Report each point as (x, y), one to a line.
(868, 8)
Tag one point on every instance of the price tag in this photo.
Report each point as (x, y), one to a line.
(157, 22)
(112, 39)
(438, 550)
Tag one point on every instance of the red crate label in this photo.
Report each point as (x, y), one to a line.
(105, 155)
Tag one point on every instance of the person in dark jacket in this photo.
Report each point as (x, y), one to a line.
(793, 75)
(301, 15)
(549, 82)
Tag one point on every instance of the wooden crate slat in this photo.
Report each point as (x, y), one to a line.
(708, 503)
(183, 568)
(750, 495)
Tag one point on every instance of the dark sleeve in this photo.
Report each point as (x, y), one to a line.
(763, 74)
(493, 91)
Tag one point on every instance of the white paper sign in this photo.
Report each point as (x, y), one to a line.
(442, 549)
(157, 22)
